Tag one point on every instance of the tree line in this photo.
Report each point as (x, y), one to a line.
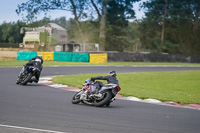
(170, 26)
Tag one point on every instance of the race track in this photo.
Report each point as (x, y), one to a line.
(37, 108)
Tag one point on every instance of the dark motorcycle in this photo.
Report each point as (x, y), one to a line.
(26, 74)
(104, 96)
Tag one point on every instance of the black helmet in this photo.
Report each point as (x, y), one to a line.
(112, 73)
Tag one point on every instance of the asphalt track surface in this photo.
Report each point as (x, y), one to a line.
(37, 108)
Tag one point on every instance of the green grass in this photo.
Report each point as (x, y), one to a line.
(180, 86)
(11, 63)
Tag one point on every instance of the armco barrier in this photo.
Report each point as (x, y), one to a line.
(46, 55)
(80, 57)
(98, 58)
(63, 56)
(26, 55)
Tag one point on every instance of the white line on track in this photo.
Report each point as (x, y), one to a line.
(31, 129)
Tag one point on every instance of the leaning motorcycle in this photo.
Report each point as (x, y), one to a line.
(26, 74)
(104, 96)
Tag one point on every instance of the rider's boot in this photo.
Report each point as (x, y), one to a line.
(33, 80)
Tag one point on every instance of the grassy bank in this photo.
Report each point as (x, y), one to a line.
(181, 86)
(11, 62)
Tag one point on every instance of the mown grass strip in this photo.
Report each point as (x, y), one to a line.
(180, 86)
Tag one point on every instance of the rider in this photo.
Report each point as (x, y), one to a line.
(37, 63)
(111, 78)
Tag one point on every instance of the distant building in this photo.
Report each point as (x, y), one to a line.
(45, 36)
(53, 37)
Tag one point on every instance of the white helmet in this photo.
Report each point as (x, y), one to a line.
(112, 73)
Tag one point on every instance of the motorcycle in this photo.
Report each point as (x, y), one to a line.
(103, 96)
(26, 74)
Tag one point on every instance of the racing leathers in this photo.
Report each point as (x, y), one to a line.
(37, 63)
(110, 79)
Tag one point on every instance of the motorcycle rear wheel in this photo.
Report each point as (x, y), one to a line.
(106, 100)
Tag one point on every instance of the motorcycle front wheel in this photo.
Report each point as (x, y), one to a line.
(107, 96)
(76, 97)
(26, 79)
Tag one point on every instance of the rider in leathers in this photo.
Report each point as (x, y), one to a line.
(37, 63)
(111, 78)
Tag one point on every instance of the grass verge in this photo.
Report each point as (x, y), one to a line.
(180, 86)
(12, 62)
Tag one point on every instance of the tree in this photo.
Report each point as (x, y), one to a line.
(100, 6)
(157, 11)
(10, 32)
(178, 19)
(61, 21)
(90, 30)
(39, 23)
(117, 34)
(134, 39)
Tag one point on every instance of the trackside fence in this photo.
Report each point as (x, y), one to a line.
(64, 56)
(26, 55)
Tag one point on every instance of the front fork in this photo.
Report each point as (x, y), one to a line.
(84, 95)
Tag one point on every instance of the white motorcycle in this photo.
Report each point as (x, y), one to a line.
(103, 96)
